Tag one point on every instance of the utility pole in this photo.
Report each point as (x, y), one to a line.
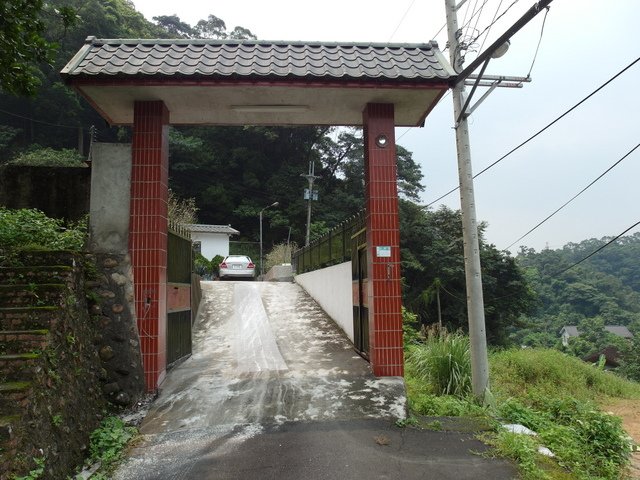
(311, 177)
(473, 273)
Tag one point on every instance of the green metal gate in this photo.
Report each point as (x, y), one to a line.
(179, 314)
(360, 285)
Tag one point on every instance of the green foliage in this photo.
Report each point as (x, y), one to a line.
(551, 393)
(250, 249)
(554, 394)
(202, 265)
(593, 338)
(410, 327)
(604, 290)
(109, 440)
(586, 441)
(36, 472)
(408, 421)
(22, 46)
(31, 229)
(7, 137)
(445, 406)
(49, 157)
(523, 449)
(56, 420)
(215, 263)
(443, 362)
(630, 359)
(434, 276)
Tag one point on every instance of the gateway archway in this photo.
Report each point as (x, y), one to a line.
(150, 84)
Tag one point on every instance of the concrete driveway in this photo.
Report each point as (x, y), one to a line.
(274, 390)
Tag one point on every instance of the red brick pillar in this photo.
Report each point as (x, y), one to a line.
(148, 233)
(383, 241)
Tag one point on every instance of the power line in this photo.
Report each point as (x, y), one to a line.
(402, 19)
(541, 130)
(535, 55)
(576, 195)
(494, 21)
(41, 121)
(488, 29)
(466, 12)
(438, 32)
(475, 26)
(595, 251)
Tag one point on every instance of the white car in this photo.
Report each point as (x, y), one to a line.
(237, 266)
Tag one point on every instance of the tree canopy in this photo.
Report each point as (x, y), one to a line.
(603, 290)
(433, 270)
(24, 44)
(234, 172)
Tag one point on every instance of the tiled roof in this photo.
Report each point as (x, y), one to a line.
(619, 330)
(259, 59)
(194, 227)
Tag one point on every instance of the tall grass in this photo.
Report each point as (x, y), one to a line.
(442, 361)
(547, 373)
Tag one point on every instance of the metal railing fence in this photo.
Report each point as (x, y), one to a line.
(332, 248)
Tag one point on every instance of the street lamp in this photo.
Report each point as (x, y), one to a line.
(274, 204)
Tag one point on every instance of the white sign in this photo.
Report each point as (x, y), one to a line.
(383, 252)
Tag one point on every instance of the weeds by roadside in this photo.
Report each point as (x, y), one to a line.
(548, 392)
(108, 443)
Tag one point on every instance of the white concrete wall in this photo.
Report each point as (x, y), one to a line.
(331, 288)
(212, 244)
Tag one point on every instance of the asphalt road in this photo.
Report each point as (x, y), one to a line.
(274, 390)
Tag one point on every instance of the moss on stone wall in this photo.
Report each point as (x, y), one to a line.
(70, 347)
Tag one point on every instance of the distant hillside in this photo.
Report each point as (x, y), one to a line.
(603, 290)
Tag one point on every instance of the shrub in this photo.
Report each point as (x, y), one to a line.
(588, 442)
(26, 229)
(48, 157)
(215, 264)
(202, 265)
(630, 360)
(410, 327)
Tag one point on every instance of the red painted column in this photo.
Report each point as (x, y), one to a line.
(148, 233)
(383, 241)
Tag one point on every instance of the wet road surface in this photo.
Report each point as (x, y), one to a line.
(275, 390)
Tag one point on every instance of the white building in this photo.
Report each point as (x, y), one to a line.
(212, 239)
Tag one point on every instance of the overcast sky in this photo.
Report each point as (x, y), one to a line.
(585, 43)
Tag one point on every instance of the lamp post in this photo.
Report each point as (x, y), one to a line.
(274, 204)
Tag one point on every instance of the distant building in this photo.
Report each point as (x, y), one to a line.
(611, 357)
(570, 331)
(211, 240)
